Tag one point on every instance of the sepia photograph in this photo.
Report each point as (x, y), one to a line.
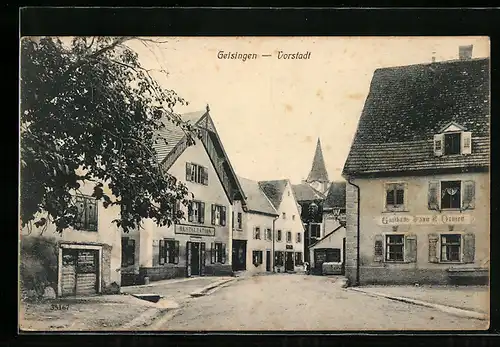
(254, 183)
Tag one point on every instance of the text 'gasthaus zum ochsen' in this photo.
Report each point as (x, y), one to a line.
(280, 55)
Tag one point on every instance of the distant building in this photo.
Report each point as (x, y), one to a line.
(289, 231)
(201, 244)
(328, 198)
(253, 230)
(418, 171)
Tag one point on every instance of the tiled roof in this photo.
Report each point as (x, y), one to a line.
(407, 105)
(172, 134)
(336, 195)
(274, 191)
(318, 168)
(256, 200)
(304, 192)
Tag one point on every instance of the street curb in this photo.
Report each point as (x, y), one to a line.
(447, 309)
(159, 283)
(144, 319)
(204, 291)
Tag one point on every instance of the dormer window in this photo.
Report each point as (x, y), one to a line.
(452, 140)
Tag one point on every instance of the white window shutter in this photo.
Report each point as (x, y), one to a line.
(466, 142)
(468, 195)
(438, 145)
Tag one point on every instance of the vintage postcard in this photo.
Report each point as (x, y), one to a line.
(254, 183)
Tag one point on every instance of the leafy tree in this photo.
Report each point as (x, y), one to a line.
(90, 104)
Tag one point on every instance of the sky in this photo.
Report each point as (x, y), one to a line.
(269, 112)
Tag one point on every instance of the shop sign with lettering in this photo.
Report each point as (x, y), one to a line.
(435, 219)
(194, 230)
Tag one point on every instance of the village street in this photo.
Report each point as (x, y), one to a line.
(299, 302)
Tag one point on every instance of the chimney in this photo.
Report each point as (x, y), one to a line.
(465, 52)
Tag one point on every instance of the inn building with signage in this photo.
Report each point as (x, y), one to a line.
(253, 230)
(418, 176)
(201, 244)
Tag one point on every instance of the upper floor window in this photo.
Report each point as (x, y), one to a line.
(256, 233)
(87, 213)
(278, 235)
(451, 195)
(269, 235)
(395, 196)
(196, 212)
(315, 230)
(128, 251)
(240, 221)
(299, 237)
(218, 215)
(284, 215)
(196, 173)
(453, 139)
(288, 236)
(293, 217)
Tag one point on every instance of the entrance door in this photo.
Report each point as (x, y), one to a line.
(343, 256)
(195, 258)
(289, 261)
(79, 271)
(268, 260)
(239, 255)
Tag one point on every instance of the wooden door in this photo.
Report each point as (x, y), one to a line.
(87, 272)
(68, 271)
(268, 260)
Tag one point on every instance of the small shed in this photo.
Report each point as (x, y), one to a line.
(329, 249)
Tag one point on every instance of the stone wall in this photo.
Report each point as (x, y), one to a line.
(218, 270)
(351, 232)
(158, 273)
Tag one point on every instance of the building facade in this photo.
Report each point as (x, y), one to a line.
(418, 176)
(201, 244)
(289, 230)
(253, 230)
(87, 257)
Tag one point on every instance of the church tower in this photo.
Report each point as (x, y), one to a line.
(318, 177)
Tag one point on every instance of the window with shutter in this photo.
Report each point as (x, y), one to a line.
(468, 195)
(92, 213)
(394, 248)
(433, 195)
(395, 196)
(466, 142)
(438, 144)
(176, 256)
(203, 258)
(190, 211)
(223, 215)
(240, 220)
(162, 252)
(213, 214)
(379, 248)
(469, 248)
(188, 172)
(202, 213)
(223, 253)
(205, 176)
(451, 194)
(87, 218)
(450, 248)
(410, 248)
(212, 253)
(80, 205)
(433, 241)
(452, 143)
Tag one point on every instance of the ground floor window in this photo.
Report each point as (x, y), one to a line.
(394, 247)
(450, 247)
(218, 252)
(298, 258)
(279, 258)
(169, 252)
(128, 251)
(257, 257)
(333, 255)
(315, 230)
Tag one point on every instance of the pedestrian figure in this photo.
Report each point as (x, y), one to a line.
(306, 267)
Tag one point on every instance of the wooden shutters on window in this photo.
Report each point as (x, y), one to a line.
(176, 255)
(433, 248)
(223, 260)
(201, 213)
(379, 248)
(438, 145)
(91, 211)
(212, 253)
(468, 200)
(203, 261)
(223, 215)
(205, 176)
(410, 248)
(213, 214)
(469, 248)
(80, 205)
(188, 171)
(466, 142)
(162, 252)
(433, 195)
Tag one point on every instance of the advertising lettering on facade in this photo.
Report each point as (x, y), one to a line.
(436, 219)
(194, 230)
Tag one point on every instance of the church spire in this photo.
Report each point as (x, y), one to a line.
(318, 170)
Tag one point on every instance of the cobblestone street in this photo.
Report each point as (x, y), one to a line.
(298, 302)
